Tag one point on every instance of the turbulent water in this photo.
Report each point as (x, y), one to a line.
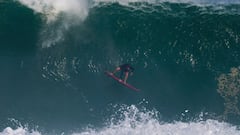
(186, 56)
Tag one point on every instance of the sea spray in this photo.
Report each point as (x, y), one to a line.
(58, 17)
(133, 120)
(18, 129)
(130, 120)
(52, 8)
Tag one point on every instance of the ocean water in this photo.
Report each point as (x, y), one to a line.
(186, 55)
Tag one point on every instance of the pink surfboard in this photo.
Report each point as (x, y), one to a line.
(121, 81)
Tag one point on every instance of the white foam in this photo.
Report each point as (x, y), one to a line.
(80, 8)
(18, 131)
(60, 16)
(51, 8)
(136, 122)
(209, 127)
(129, 120)
(150, 127)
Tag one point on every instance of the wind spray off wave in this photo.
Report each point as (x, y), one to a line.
(214, 2)
(76, 8)
(59, 16)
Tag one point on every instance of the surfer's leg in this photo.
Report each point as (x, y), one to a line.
(126, 77)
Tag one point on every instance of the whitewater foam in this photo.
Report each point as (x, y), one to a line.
(18, 131)
(59, 15)
(80, 8)
(130, 120)
(134, 121)
(53, 8)
(209, 127)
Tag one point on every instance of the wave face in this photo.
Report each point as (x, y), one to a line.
(54, 54)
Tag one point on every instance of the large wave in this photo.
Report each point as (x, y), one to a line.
(179, 48)
(62, 14)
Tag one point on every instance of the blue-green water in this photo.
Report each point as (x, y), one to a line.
(185, 54)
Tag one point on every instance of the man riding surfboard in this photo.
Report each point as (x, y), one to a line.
(125, 69)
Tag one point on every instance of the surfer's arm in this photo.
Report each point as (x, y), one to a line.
(117, 69)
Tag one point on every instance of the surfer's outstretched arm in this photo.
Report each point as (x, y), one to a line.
(117, 69)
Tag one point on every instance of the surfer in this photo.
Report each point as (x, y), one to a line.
(125, 69)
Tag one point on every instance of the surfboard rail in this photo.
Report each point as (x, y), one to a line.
(110, 74)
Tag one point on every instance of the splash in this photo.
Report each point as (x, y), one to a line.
(134, 121)
(55, 70)
(18, 131)
(209, 127)
(52, 9)
(59, 16)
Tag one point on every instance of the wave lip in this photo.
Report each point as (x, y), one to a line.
(59, 16)
(52, 9)
(124, 2)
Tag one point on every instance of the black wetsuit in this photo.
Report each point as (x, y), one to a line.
(125, 68)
